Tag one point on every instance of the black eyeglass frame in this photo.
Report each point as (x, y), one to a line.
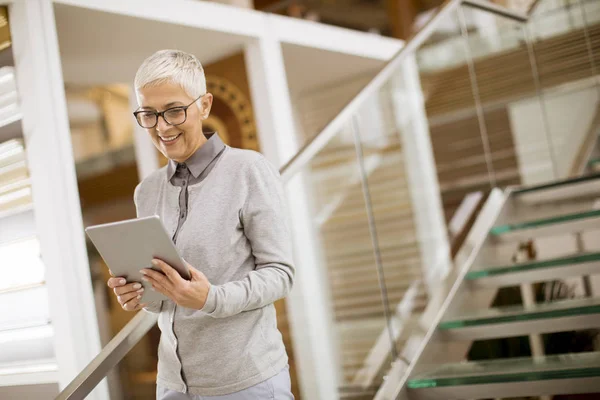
(162, 114)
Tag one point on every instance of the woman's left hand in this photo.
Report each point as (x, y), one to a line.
(189, 294)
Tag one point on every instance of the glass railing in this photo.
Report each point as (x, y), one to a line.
(551, 19)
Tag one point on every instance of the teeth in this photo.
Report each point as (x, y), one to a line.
(169, 138)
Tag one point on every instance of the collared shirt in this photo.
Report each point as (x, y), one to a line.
(193, 171)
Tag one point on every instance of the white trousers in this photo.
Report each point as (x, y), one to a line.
(275, 388)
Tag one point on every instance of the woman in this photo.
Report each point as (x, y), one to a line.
(225, 210)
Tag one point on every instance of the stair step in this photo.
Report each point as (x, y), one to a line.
(561, 224)
(557, 184)
(559, 374)
(536, 271)
(557, 316)
(577, 189)
(29, 373)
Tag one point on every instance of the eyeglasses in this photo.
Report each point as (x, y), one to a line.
(172, 116)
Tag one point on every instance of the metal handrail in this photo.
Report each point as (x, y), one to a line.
(496, 9)
(143, 321)
(320, 140)
(109, 357)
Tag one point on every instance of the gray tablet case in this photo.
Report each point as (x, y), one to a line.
(128, 246)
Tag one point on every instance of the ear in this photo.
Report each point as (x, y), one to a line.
(206, 103)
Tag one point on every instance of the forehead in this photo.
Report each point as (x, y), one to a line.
(162, 96)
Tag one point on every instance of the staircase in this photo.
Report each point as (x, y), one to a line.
(563, 221)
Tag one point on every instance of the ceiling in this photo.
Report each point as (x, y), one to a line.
(310, 68)
(98, 47)
(102, 48)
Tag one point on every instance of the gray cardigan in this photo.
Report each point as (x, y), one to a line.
(237, 233)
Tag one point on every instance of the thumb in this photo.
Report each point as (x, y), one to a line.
(195, 275)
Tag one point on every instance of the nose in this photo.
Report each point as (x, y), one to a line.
(161, 125)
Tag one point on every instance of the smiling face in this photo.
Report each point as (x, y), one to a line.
(176, 142)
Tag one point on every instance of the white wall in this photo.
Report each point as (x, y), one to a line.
(569, 118)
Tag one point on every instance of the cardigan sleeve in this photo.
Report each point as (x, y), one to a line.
(265, 223)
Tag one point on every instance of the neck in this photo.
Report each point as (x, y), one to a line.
(201, 143)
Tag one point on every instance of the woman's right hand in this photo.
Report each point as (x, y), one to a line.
(128, 294)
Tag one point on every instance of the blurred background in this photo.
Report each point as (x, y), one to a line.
(398, 125)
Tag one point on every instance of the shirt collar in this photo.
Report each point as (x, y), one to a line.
(198, 161)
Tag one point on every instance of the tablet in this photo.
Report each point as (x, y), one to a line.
(129, 246)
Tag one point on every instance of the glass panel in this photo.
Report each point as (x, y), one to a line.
(501, 229)
(408, 222)
(555, 18)
(563, 44)
(555, 309)
(580, 365)
(330, 207)
(469, 104)
(530, 266)
(514, 114)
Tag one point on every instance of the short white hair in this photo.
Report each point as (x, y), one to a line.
(172, 66)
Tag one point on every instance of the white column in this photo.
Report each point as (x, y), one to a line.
(146, 156)
(428, 212)
(55, 194)
(310, 313)
(271, 99)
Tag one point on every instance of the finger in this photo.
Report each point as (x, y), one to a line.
(157, 286)
(132, 287)
(133, 304)
(196, 275)
(136, 308)
(155, 276)
(116, 282)
(168, 270)
(123, 299)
